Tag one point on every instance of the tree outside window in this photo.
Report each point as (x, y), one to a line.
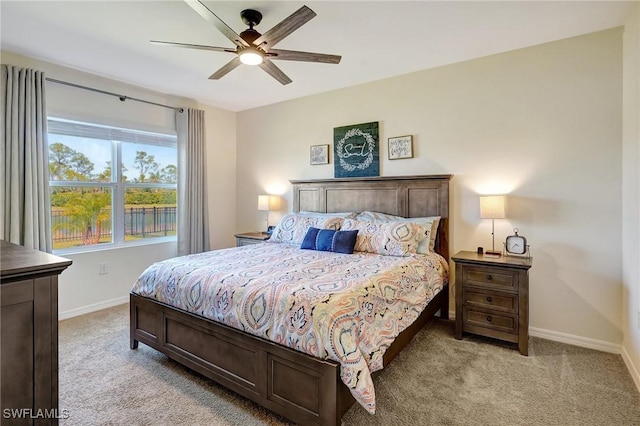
(92, 205)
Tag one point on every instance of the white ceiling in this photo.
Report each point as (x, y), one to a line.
(377, 39)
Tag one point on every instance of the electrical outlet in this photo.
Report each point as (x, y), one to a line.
(104, 268)
(638, 320)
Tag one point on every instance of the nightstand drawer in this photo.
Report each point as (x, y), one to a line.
(251, 238)
(488, 277)
(246, 241)
(490, 300)
(493, 320)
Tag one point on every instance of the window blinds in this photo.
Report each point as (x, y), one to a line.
(73, 128)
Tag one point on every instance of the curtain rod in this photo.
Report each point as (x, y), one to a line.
(121, 97)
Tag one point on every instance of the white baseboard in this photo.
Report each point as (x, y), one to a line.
(635, 374)
(585, 342)
(92, 308)
(570, 339)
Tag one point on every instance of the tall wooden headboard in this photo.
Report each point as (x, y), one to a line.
(406, 196)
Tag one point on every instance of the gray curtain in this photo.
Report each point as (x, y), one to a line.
(24, 190)
(193, 218)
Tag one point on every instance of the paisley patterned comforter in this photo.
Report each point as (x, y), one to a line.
(345, 307)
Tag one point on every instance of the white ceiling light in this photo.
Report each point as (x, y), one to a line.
(251, 56)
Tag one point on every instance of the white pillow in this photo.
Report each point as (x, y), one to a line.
(343, 215)
(397, 238)
(430, 222)
(377, 217)
(293, 227)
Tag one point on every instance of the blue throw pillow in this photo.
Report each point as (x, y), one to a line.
(330, 240)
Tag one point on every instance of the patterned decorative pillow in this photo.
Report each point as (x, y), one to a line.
(398, 238)
(430, 222)
(330, 240)
(293, 227)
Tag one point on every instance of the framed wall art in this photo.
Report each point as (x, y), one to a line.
(401, 147)
(319, 154)
(356, 151)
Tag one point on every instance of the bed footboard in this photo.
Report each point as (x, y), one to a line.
(302, 388)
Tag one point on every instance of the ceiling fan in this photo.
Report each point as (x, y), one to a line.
(253, 48)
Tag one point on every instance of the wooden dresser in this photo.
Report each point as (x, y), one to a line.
(29, 334)
(492, 297)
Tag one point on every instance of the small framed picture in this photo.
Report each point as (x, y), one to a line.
(319, 154)
(401, 147)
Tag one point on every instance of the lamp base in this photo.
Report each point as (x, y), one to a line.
(493, 253)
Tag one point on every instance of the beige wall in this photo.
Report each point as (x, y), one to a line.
(631, 195)
(221, 175)
(82, 289)
(542, 124)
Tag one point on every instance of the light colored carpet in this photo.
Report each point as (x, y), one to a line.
(436, 380)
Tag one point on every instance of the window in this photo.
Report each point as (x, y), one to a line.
(110, 186)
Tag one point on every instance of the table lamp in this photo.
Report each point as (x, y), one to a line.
(492, 207)
(268, 203)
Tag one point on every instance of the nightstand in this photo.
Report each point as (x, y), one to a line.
(492, 297)
(251, 238)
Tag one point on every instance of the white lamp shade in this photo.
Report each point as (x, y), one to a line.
(263, 202)
(268, 202)
(492, 207)
(274, 202)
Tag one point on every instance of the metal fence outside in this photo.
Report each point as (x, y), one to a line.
(149, 221)
(139, 222)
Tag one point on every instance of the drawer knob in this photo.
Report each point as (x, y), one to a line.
(489, 277)
(489, 298)
(489, 319)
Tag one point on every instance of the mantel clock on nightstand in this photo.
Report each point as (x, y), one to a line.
(492, 297)
(251, 238)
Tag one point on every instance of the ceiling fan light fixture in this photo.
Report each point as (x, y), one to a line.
(253, 48)
(250, 56)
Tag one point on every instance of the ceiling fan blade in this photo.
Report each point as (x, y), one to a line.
(286, 27)
(232, 64)
(292, 55)
(274, 71)
(194, 46)
(207, 14)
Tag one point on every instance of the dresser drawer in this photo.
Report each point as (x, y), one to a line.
(506, 302)
(488, 277)
(499, 321)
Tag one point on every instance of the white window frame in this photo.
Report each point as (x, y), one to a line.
(116, 136)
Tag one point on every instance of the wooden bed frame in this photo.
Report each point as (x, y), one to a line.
(302, 388)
